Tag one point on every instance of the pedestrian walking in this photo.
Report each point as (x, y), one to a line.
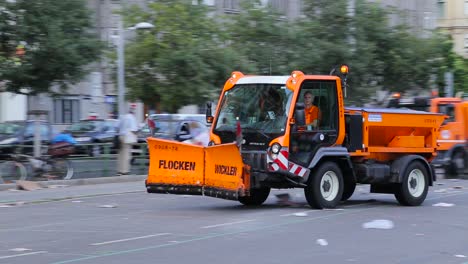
(127, 136)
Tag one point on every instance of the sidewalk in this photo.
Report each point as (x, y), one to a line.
(68, 189)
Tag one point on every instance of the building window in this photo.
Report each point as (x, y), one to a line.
(66, 111)
(466, 7)
(441, 8)
(231, 5)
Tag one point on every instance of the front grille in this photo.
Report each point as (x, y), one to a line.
(256, 160)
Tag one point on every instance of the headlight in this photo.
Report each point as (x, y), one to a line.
(8, 141)
(211, 143)
(276, 148)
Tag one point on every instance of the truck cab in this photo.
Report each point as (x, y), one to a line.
(274, 139)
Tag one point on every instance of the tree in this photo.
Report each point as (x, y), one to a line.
(182, 60)
(460, 74)
(187, 57)
(263, 38)
(58, 42)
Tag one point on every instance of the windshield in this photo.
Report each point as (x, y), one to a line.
(9, 128)
(86, 126)
(260, 107)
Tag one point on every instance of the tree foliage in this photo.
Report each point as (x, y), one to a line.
(182, 60)
(189, 54)
(58, 42)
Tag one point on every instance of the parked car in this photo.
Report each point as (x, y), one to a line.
(21, 133)
(191, 129)
(87, 132)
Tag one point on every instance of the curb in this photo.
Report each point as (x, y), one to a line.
(85, 181)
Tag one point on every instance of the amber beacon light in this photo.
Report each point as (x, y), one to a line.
(344, 69)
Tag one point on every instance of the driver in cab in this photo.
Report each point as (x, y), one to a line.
(312, 112)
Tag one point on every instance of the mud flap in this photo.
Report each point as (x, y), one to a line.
(182, 168)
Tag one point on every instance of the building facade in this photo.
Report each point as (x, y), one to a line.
(453, 17)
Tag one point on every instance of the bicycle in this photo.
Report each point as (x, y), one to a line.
(54, 166)
(12, 170)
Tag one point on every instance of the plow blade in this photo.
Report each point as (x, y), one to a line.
(181, 168)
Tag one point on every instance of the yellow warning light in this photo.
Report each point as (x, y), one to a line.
(396, 95)
(344, 69)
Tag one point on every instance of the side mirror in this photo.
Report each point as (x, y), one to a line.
(209, 117)
(299, 114)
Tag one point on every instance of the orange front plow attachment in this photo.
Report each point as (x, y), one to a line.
(182, 168)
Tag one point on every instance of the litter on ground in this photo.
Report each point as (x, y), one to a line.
(443, 204)
(378, 224)
(322, 242)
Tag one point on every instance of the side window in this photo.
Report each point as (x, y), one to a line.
(314, 107)
(44, 131)
(450, 111)
(321, 117)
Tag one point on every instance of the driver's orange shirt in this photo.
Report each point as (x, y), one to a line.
(311, 114)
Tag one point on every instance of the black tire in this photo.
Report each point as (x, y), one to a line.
(257, 197)
(349, 187)
(412, 190)
(12, 171)
(61, 169)
(325, 186)
(458, 164)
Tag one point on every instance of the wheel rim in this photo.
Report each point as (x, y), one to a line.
(416, 183)
(329, 186)
(459, 162)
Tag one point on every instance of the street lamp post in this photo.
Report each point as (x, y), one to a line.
(121, 70)
(121, 62)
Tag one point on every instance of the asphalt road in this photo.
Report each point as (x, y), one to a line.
(121, 223)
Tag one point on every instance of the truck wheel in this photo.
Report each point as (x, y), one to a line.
(325, 187)
(414, 186)
(348, 190)
(257, 197)
(458, 164)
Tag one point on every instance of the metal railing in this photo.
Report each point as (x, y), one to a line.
(103, 164)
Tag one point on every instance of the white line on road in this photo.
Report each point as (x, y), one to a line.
(225, 224)
(128, 239)
(24, 254)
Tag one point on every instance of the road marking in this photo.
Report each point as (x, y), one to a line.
(226, 224)
(128, 239)
(24, 254)
(210, 236)
(253, 229)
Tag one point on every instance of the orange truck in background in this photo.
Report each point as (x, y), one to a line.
(259, 140)
(452, 158)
